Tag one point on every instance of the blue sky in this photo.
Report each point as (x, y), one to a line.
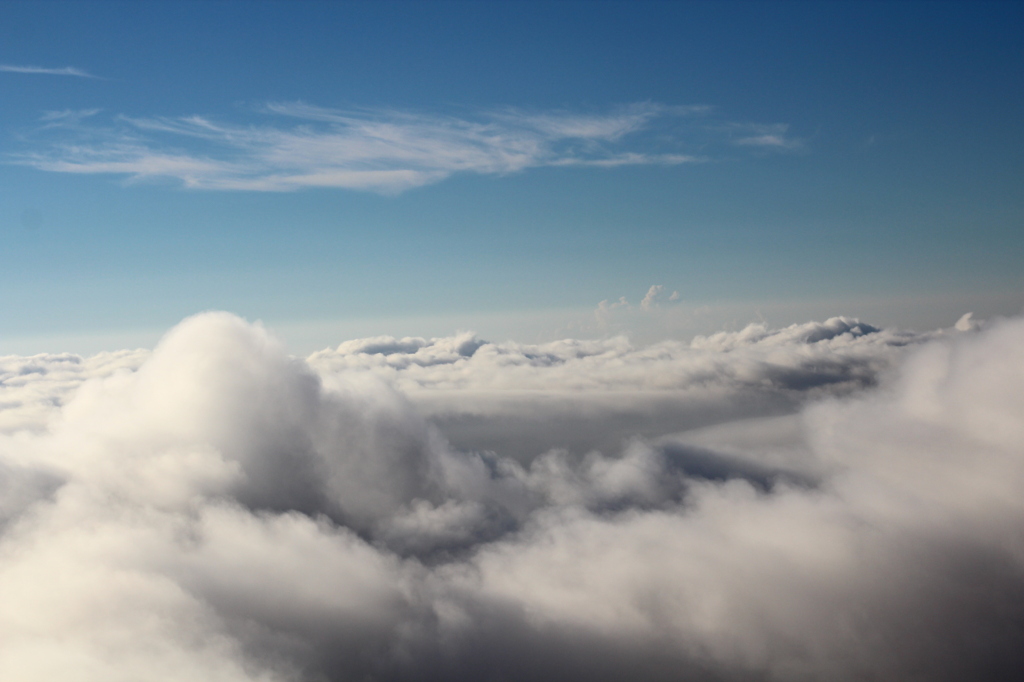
(341, 169)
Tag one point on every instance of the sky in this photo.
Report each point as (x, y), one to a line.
(349, 169)
(503, 340)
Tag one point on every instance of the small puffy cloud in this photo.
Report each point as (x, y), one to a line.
(966, 323)
(651, 296)
(604, 314)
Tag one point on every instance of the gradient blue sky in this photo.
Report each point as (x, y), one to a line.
(337, 169)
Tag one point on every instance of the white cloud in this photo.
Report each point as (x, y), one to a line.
(66, 71)
(966, 323)
(382, 150)
(773, 136)
(523, 399)
(610, 315)
(67, 116)
(34, 388)
(650, 298)
(218, 510)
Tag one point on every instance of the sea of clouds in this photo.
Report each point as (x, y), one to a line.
(827, 501)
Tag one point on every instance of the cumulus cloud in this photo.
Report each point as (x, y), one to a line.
(33, 388)
(216, 509)
(523, 399)
(622, 314)
(651, 296)
(384, 150)
(966, 323)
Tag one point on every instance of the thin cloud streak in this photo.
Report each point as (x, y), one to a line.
(385, 151)
(766, 137)
(66, 71)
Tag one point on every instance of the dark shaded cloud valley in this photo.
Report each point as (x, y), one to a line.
(826, 501)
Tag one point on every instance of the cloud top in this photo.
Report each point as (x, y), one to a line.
(218, 510)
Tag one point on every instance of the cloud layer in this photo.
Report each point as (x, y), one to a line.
(386, 151)
(218, 510)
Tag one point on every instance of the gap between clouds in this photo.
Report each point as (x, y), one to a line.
(383, 150)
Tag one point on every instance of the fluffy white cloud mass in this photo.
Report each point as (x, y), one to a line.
(828, 501)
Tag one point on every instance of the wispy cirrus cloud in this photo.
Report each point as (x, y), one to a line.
(774, 136)
(66, 71)
(299, 145)
(67, 116)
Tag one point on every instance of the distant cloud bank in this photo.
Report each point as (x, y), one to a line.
(380, 150)
(825, 501)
